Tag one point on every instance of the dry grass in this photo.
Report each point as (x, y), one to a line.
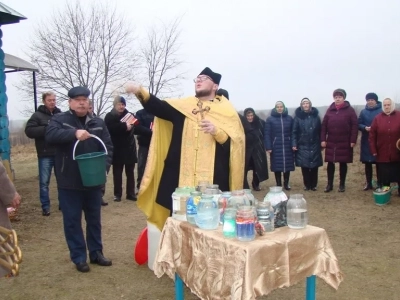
(364, 236)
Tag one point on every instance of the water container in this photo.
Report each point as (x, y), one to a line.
(245, 223)
(207, 213)
(238, 199)
(250, 196)
(265, 216)
(297, 215)
(222, 205)
(275, 195)
(153, 237)
(191, 206)
(179, 199)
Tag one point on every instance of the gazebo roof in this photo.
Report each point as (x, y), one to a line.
(9, 16)
(18, 64)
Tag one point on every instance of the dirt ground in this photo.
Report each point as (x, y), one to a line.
(365, 238)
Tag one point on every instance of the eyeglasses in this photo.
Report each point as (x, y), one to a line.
(201, 79)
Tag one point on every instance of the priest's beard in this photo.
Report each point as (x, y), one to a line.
(204, 94)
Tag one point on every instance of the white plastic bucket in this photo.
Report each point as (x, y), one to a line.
(153, 239)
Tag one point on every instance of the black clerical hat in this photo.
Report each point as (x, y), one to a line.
(215, 77)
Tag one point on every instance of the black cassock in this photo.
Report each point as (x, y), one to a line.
(170, 175)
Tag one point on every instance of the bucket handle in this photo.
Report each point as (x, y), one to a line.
(92, 135)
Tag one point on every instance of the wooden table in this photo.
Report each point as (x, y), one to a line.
(215, 267)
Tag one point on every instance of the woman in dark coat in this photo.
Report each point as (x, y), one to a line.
(338, 137)
(256, 157)
(122, 136)
(306, 143)
(384, 133)
(278, 131)
(367, 115)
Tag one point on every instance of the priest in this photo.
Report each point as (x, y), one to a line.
(198, 138)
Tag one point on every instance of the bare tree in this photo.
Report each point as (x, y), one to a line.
(160, 59)
(88, 46)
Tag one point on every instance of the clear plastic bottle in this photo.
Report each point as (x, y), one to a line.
(250, 196)
(297, 214)
(229, 227)
(222, 205)
(191, 206)
(179, 198)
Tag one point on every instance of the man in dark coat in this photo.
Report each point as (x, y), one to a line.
(306, 143)
(367, 115)
(124, 147)
(36, 129)
(338, 137)
(255, 157)
(64, 130)
(145, 119)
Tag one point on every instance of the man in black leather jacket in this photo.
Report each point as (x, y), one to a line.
(63, 131)
(35, 129)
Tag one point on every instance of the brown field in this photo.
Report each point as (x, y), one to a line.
(364, 236)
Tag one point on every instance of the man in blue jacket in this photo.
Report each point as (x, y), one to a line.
(63, 131)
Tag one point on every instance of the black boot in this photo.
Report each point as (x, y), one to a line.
(368, 177)
(331, 174)
(286, 177)
(343, 173)
(329, 186)
(278, 178)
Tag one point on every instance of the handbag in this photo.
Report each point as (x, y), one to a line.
(10, 253)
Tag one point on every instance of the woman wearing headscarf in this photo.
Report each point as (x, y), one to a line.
(367, 115)
(338, 137)
(384, 133)
(278, 131)
(306, 143)
(255, 158)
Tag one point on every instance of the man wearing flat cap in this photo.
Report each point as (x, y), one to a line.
(64, 130)
(198, 138)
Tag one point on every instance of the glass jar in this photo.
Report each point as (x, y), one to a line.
(237, 199)
(265, 216)
(250, 196)
(201, 187)
(245, 223)
(275, 195)
(191, 207)
(297, 215)
(207, 216)
(179, 198)
(229, 227)
(222, 204)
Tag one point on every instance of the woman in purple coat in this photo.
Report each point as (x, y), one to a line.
(338, 137)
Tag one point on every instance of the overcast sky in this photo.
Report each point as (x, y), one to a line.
(265, 50)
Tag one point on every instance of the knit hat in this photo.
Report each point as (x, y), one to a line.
(304, 100)
(341, 92)
(119, 99)
(280, 102)
(371, 96)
